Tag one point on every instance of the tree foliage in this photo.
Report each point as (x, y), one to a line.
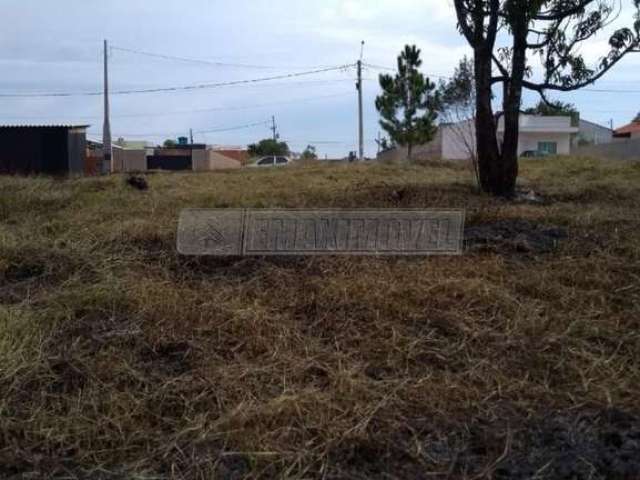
(552, 109)
(309, 153)
(457, 108)
(384, 144)
(637, 118)
(554, 33)
(268, 146)
(555, 109)
(169, 143)
(458, 93)
(408, 102)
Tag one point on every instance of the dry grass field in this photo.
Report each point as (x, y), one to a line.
(120, 359)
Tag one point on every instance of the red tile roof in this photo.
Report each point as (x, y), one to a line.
(633, 127)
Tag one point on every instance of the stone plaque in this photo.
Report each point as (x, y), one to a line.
(320, 232)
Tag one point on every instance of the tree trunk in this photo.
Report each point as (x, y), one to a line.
(487, 152)
(498, 167)
(512, 102)
(409, 150)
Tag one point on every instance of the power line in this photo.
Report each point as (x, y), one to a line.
(380, 67)
(201, 110)
(201, 86)
(209, 62)
(605, 90)
(240, 127)
(212, 130)
(595, 90)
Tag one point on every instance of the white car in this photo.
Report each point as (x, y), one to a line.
(272, 161)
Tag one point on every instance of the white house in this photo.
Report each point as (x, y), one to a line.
(539, 134)
(457, 141)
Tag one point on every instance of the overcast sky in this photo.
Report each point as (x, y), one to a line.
(56, 46)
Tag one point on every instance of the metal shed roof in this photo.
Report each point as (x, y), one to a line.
(44, 126)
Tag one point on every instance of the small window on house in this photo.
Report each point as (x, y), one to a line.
(547, 148)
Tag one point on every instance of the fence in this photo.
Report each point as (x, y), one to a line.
(617, 150)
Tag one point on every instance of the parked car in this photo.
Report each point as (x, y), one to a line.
(272, 161)
(534, 154)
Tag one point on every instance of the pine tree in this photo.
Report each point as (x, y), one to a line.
(407, 104)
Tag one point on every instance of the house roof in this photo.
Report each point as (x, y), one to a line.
(633, 127)
(582, 120)
(45, 126)
(542, 124)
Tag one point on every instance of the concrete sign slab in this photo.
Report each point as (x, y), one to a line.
(229, 232)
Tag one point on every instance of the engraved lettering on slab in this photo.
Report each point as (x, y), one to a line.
(320, 232)
(210, 232)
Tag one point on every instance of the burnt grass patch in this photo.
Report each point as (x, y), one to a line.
(588, 444)
(168, 359)
(513, 236)
(31, 270)
(401, 195)
(577, 445)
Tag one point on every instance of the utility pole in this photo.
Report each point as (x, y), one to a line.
(191, 135)
(360, 115)
(274, 128)
(105, 167)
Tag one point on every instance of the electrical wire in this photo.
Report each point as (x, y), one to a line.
(201, 110)
(201, 86)
(595, 90)
(209, 62)
(380, 67)
(212, 130)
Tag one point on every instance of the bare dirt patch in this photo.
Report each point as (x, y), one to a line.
(513, 235)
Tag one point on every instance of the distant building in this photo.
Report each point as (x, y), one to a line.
(43, 149)
(624, 145)
(132, 144)
(628, 131)
(545, 135)
(591, 134)
(240, 154)
(181, 157)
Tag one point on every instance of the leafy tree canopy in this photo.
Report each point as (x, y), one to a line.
(555, 109)
(552, 109)
(309, 153)
(169, 143)
(458, 93)
(268, 146)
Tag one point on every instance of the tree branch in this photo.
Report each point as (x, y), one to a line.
(561, 14)
(538, 87)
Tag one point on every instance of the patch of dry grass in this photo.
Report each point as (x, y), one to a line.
(121, 359)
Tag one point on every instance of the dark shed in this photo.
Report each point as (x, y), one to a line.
(52, 150)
